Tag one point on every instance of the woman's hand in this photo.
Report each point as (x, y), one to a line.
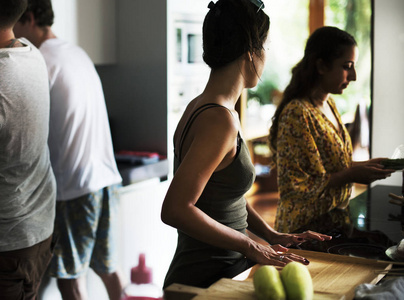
(366, 172)
(288, 240)
(273, 255)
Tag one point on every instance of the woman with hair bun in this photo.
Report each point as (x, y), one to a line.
(312, 148)
(212, 166)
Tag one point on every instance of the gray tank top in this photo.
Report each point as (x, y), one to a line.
(199, 264)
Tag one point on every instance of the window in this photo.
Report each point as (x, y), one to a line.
(194, 48)
(354, 16)
(290, 21)
(287, 36)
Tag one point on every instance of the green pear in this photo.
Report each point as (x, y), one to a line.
(268, 284)
(297, 281)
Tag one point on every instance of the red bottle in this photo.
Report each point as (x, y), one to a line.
(141, 287)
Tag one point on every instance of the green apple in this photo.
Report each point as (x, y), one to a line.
(268, 284)
(297, 281)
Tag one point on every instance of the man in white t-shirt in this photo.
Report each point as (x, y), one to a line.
(82, 159)
(27, 183)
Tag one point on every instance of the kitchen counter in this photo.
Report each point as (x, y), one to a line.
(367, 228)
(334, 277)
(137, 173)
(356, 254)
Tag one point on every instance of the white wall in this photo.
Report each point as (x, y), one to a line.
(194, 6)
(135, 87)
(90, 24)
(388, 82)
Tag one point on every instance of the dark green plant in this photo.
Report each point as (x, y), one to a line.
(263, 92)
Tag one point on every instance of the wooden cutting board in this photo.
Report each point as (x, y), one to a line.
(334, 277)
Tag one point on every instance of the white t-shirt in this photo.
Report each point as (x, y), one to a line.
(80, 141)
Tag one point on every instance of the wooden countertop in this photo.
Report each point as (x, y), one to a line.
(334, 277)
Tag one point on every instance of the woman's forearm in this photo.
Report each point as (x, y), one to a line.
(200, 226)
(364, 172)
(340, 178)
(258, 226)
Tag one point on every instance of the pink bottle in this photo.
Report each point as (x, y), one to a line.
(141, 287)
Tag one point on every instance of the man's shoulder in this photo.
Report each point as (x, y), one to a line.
(27, 56)
(59, 50)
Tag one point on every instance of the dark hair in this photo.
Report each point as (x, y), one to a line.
(326, 43)
(42, 11)
(231, 28)
(10, 12)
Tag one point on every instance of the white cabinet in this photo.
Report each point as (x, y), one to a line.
(142, 231)
(91, 24)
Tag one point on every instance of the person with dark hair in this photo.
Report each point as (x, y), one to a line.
(82, 158)
(27, 183)
(312, 148)
(212, 165)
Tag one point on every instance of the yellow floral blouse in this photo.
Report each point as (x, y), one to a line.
(309, 149)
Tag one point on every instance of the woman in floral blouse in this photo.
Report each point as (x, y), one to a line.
(312, 148)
